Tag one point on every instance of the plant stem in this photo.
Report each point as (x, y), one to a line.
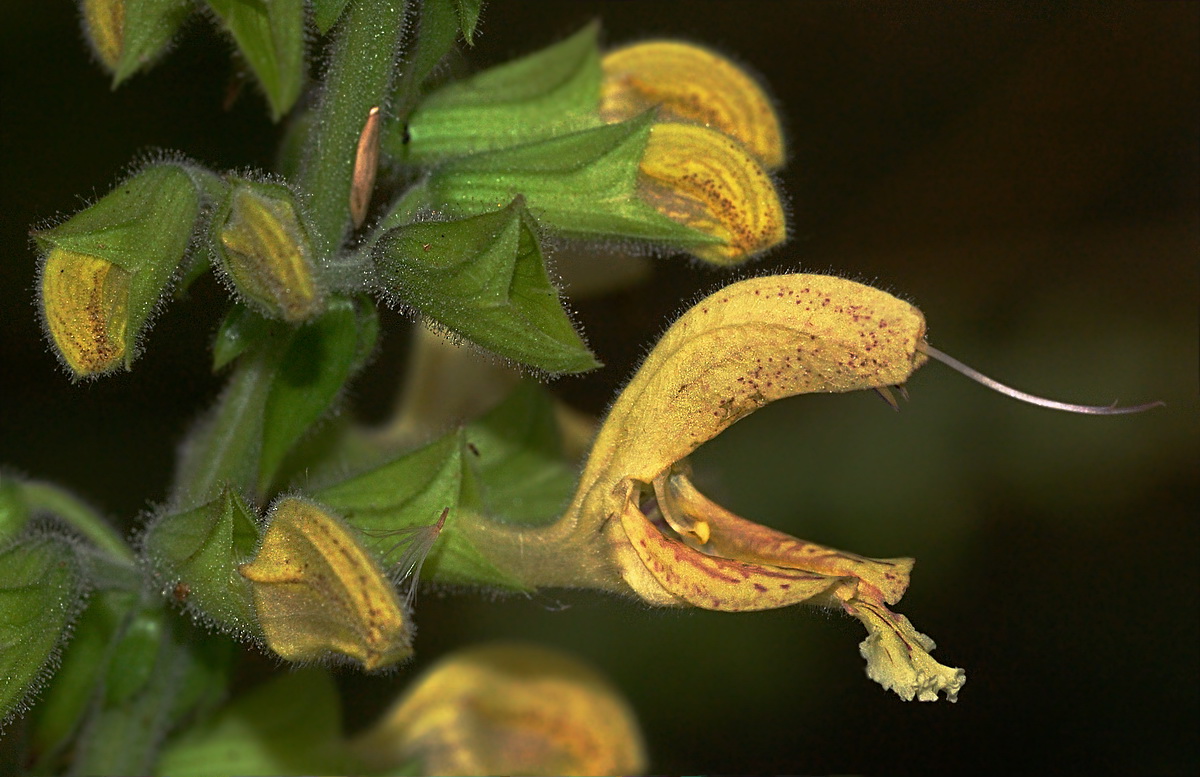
(358, 78)
(51, 498)
(568, 553)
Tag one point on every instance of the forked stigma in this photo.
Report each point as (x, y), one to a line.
(1032, 399)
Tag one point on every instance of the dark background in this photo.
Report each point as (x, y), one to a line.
(1025, 173)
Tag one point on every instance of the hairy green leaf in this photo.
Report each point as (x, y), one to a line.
(41, 590)
(551, 92)
(517, 454)
(484, 278)
(319, 360)
(72, 689)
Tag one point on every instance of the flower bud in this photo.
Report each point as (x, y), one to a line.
(128, 36)
(319, 594)
(106, 267)
(104, 25)
(707, 181)
(508, 709)
(692, 84)
(266, 253)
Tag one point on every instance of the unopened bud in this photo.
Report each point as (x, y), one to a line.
(319, 594)
(129, 36)
(266, 252)
(707, 181)
(509, 709)
(107, 266)
(692, 84)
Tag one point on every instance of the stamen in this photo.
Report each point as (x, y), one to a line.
(1032, 399)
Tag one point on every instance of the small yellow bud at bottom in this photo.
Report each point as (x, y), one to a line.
(508, 709)
(85, 300)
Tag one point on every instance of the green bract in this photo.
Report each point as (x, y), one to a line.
(270, 35)
(550, 92)
(128, 35)
(485, 279)
(196, 553)
(284, 380)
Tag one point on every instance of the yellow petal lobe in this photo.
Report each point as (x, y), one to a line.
(707, 181)
(85, 300)
(508, 709)
(318, 593)
(691, 84)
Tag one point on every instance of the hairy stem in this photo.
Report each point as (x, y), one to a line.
(358, 78)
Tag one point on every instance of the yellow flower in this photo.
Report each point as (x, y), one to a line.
(747, 345)
(691, 84)
(508, 709)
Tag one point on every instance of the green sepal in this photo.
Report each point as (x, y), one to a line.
(516, 451)
(55, 719)
(195, 555)
(270, 35)
(262, 242)
(326, 13)
(144, 227)
(318, 362)
(551, 92)
(410, 492)
(584, 184)
(484, 278)
(41, 593)
(147, 29)
(239, 330)
(290, 724)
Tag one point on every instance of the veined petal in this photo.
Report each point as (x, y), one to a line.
(898, 655)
